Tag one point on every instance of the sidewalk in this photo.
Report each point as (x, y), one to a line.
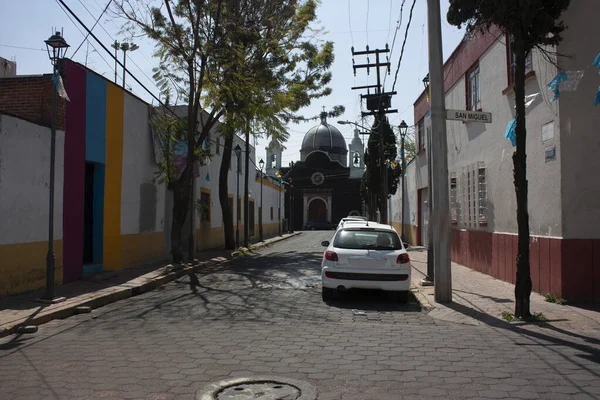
(23, 310)
(481, 299)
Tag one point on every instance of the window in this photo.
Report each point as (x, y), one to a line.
(454, 205)
(473, 93)
(471, 197)
(421, 137)
(511, 61)
(204, 205)
(482, 191)
(271, 213)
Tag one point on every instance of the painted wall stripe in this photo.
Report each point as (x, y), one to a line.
(95, 130)
(113, 177)
(74, 172)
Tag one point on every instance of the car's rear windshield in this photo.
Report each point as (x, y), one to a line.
(367, 239)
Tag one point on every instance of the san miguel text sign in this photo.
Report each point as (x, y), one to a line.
(469, 116)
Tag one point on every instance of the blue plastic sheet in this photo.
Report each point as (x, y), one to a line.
(207, 177)
(597, 99)
(596, 61)
(510, 133)
(555, 83)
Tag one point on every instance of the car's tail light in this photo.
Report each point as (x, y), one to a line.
(331, 255)
(403, 258)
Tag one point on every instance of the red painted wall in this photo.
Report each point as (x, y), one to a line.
(570, 268)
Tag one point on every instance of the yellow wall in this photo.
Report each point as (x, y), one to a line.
(141, 248)
(410, 232)
(24, 266)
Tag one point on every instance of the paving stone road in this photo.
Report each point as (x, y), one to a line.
(263, 315)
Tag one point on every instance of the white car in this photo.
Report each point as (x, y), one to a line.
(365, 256)
(352, 219)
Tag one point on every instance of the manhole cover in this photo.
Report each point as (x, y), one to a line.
(260, 388)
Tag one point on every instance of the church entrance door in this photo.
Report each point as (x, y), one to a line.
(317, 210)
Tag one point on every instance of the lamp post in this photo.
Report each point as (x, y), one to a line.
(57, 47)
(403, 130)
(238, 153)
(125, 47)
(261, 164)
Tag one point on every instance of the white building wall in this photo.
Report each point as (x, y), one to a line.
(472, 143)
(142, 199)
(25, 179)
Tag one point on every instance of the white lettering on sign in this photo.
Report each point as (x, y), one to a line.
(469, 116)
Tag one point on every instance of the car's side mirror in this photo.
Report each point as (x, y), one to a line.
(325, 243)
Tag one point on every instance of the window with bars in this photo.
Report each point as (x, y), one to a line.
(482, 192)
(204, 207)
(473, 92)
(511, 61)
(454, 203)
(421, 137)
(471, 197)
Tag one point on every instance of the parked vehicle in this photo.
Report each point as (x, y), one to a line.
(350, 219)
(369, 256)
(318, 225)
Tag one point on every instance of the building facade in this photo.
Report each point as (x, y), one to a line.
(111, 213)
(562, 145)
(324, 185)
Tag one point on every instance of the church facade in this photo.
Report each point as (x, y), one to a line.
(324, 185)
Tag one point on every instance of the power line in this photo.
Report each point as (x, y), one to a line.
(61, 4)
(21, 47)
(95, 23)
(350, 25)
(367, 23)
(389, 24)
(403, 44)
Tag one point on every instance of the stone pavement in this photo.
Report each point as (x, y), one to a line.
(480, 299)
(23, 310)
(263, 315)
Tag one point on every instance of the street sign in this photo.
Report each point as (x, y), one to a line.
(469, 116)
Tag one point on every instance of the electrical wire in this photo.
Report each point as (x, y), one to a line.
(387, 40)
(21, 47)
(403, 44)
(95, 23)
(367, 23)
(350, 25)
(61, 5)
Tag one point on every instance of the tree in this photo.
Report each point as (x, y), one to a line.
(530, 24)
(373, 180)
(186, 37)
(271, 69)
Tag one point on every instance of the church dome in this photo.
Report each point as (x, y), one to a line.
(326, 138)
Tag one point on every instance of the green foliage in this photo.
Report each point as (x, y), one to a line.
(372, 181)
(553, 298)
(532, 21)
(168, 131)
(509, 317)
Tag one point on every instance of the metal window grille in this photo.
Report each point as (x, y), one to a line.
(482, 189)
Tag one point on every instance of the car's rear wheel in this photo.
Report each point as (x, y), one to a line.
(402, 296)
(327, 293)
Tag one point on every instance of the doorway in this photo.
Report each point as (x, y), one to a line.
(317, 210)
(423, 216)
(93, 218)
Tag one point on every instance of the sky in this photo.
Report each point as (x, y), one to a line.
(348, 23)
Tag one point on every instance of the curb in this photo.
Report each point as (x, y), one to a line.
(125, 290)
(426, 306)
(242, 250)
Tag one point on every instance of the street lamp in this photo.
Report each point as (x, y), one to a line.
(238, 153)
(57, 47)
(403, 130)
(125, 47)
(426, 84)
(261, 164)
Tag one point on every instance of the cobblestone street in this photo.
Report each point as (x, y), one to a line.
(263, 315)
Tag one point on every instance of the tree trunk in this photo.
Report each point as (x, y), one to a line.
(226, 211)
(523, 279)
(181, 192)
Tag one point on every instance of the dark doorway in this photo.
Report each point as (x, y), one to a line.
(317, 210)
(251, 218)
(88, 215)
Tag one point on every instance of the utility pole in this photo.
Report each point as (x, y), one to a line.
(439, 159)
(125, 47)
(377, 104)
